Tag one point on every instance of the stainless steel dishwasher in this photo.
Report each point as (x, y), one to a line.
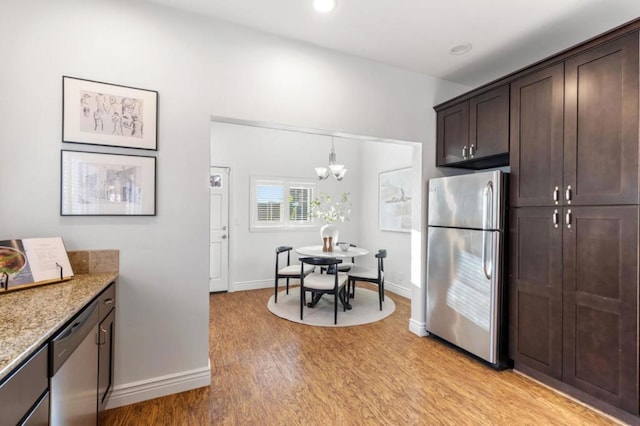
(74, 366)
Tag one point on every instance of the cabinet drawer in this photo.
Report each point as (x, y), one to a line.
(106, 301)
(24, 387)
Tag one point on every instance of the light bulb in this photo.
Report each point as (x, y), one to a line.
(324, 6)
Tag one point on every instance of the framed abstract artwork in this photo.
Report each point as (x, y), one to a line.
(108, 114)
(95, 184)
(394, 201)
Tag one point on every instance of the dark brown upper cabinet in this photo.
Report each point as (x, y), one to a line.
(574, 130)
(601, 125)
(474, 133)
(452, 134)
(537, 103)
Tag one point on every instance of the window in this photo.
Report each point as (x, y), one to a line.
(281, 203)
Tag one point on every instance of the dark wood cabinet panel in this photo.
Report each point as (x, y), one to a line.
(536, 290)
(105, 358)
(600, 293)
(601, 124)
(474, 133)
(452, 134)
(536, 137)
(489, 123)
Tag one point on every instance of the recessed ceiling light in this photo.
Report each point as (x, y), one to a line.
(460, 49)
(324, 6)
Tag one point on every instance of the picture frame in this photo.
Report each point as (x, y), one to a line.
(108, 114)
(394, 200)
(102, 184)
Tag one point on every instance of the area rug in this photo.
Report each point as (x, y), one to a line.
(365, 308)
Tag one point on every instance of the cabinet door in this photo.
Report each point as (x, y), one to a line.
(536, 137)
(601, 124)
(452, 134)
(535, 290)
(489, 123)
(600, 296)
(105, 358)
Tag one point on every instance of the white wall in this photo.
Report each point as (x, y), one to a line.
(382, 157)
(201, 67)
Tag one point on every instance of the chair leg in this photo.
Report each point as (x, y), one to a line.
(335, 308)
(302, 300)
(353, 289)
(287, 285)
(276, 292)
(380, 294)
(345, 297)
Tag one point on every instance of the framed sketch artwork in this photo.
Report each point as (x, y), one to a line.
(107, 184)
(395, 200)
(108, 114)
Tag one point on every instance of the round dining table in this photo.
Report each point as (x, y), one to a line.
(316, 251)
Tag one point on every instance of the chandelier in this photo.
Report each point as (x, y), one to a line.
(337, 170)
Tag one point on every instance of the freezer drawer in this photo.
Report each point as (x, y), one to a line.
(463, 288)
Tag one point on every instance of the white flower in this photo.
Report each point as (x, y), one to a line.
(323, 207)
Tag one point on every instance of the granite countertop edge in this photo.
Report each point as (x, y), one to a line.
(29, 318)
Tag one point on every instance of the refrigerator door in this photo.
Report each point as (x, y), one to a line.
(467, 201)
(463, 289)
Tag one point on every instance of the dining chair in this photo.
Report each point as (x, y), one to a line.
(346, 266)
(374, 276)
(320, 284)
(287, 271)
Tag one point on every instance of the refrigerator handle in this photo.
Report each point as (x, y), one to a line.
(486, 266)
(487, 209)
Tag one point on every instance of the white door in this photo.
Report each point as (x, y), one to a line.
(219, 229)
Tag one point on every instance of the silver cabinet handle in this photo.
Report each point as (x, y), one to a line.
(108, 301)
(472, 150)
(567, 194)
(567, 218)
(556, 195)
(555, 218)
(464, 152)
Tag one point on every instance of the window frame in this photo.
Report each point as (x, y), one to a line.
(285, 222)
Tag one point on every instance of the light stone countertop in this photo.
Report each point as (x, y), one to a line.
(28, 318)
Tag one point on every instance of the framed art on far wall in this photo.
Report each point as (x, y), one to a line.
(109, 114)
(394, 201)
(95, 184)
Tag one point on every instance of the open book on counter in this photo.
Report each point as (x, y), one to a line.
(33, 261)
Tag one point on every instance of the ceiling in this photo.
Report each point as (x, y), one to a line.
(417, 34)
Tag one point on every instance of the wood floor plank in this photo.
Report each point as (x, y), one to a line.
(269, 371)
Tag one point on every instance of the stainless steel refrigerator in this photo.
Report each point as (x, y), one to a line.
(466, 228)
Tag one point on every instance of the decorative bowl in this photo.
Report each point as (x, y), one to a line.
(344, 246)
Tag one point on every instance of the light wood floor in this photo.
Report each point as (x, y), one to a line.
(269, 371)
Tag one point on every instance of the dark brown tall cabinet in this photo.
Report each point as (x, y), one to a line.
(574, 222)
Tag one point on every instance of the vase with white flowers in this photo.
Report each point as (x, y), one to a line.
(325, 208)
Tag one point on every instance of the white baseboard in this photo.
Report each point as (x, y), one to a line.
(397, 289)
(130, 393)
(418, 328)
